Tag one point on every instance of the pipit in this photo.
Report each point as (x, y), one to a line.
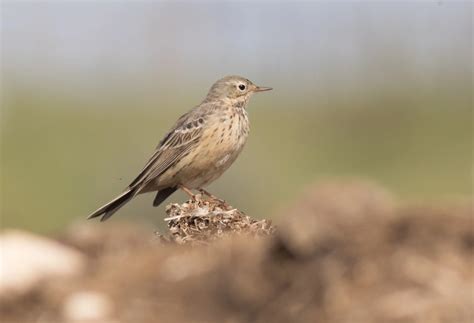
(202, 144)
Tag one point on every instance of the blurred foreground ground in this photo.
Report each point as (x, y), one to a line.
(344, 252)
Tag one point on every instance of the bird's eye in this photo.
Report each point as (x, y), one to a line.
(242, 87)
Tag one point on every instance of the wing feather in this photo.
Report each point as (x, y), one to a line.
(176, 144)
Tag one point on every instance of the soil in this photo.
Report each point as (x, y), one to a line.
(344, 252)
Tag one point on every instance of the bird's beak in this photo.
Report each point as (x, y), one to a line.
(262, 89)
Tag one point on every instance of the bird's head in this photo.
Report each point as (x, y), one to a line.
(234, 88)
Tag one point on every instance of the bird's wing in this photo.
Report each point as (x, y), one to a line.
(176, 144)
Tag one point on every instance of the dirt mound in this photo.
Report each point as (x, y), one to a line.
(345, 252)
(200, 221)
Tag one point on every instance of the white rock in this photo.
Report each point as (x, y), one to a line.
(87, 306)
(25, 259)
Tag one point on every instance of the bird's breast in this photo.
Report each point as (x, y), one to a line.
(223, 138)
(220, 145)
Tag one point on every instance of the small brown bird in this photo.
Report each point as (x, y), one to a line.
(202, 144)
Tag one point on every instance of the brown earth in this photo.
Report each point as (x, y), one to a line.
(345, 252)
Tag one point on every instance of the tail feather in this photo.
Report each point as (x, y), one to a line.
(163, 195)
(113, 206)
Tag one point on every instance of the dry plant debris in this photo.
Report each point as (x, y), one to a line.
(199, 221)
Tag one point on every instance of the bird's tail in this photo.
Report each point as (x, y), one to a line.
(113, 206)
(163, 195)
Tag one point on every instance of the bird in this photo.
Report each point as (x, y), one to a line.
(198, 149)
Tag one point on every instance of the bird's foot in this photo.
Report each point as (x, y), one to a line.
(212, 196)
(188, 192)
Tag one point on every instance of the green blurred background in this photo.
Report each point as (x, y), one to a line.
(372, 90)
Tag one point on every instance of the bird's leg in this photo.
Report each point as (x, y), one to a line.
(203, 191)
(188, 191)
(212, 196)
